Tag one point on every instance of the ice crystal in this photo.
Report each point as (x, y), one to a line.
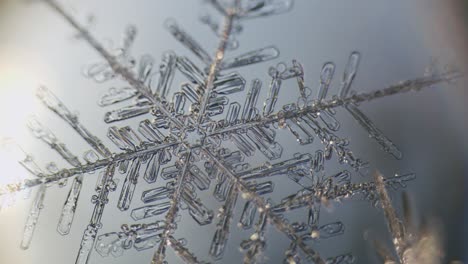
(410, 245)
(197, 140)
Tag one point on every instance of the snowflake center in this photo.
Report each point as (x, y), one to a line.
(193, 137)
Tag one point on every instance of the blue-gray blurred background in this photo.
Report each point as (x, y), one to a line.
(397, 40)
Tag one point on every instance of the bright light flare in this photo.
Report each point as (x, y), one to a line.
(17, 100)
(17, 103)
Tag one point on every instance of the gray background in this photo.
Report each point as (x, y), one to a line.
(396, 38)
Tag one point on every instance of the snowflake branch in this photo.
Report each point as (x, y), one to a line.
(214, 67)
(118, 68)
(335, 192)
(160, 254)
(395, 225)
(276, 220)
(183, 252)
(404, 87)
(90, 167)
(106, 185)
(58, 107)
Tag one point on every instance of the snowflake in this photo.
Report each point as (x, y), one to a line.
(199, 137)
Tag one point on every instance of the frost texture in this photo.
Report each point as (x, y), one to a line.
(199, 141)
